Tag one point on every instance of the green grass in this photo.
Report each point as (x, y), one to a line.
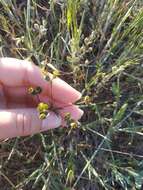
(99, 45)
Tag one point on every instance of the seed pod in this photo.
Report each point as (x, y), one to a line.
(45, 112)
(42, 116)
(34, 91)
(38, 90)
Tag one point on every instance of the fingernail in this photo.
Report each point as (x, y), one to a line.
(52, 121)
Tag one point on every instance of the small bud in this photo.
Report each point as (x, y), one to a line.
(82, 49)
(74, 125)
(86, 61)
(31, 90)
(90, 49)
(43, 70)
(34, 91)
(86, 41)
(45, 74)
(36, 26)
(42, 116)
(87, 100)
(56, 73)
(67, 116)
(92, 36)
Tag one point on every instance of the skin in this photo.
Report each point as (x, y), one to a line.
(18, 114)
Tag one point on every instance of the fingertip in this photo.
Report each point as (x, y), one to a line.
(63, 92)
(75, 111)
(23, 122)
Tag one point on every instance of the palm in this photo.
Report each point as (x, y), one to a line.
(16, 97)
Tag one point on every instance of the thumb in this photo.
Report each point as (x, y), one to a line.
(22, 122)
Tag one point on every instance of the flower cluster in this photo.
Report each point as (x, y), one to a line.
(43, 110)
(42, 107)
(71, 122)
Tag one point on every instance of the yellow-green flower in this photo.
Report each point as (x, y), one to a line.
(42, 107)
(67, 116)
(30, 90)
(56, 73)
(74, 125)
(87, 100)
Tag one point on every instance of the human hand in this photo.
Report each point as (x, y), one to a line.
(18, 114)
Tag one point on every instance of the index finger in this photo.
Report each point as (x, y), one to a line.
(14, 72)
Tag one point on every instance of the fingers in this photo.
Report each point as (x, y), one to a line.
(2, 98)
(75, 111)
(62, 92)
(59, 89)
(14, 72)
(19, 96)
(22, 122)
